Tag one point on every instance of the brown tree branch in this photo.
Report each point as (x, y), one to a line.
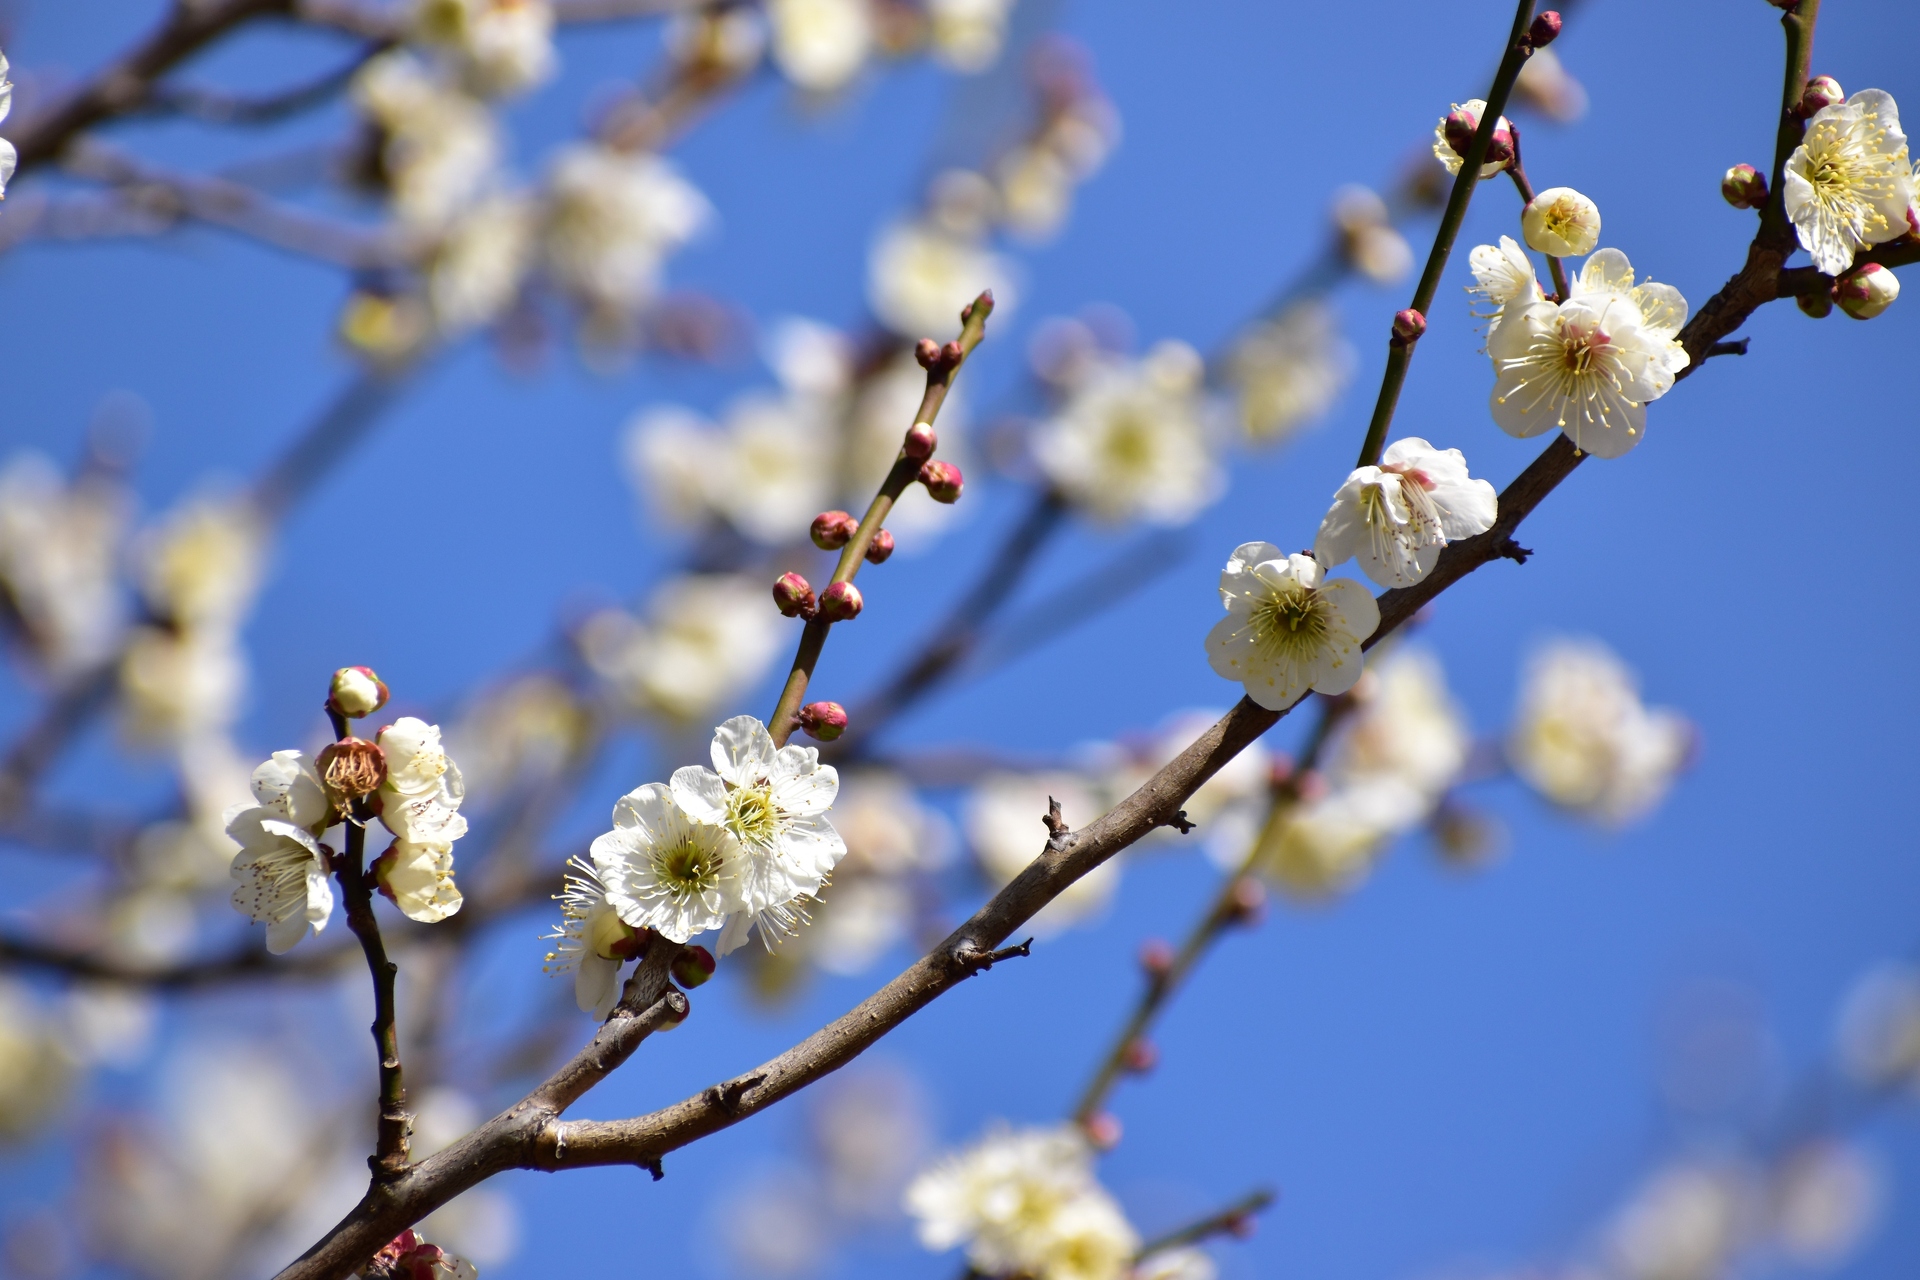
(1232, 1220)
(395, 1124)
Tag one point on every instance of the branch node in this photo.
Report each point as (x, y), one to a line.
(653, 1167)
(1511, 550)
(970, 959)
(1059, 834)
(1179, 822)
(727, 1096)
(1737, 347)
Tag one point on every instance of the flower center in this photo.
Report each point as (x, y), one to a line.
(1130, 443)
(1562, 216)
(686, 867)
(752, 814)
(1294, 624)
(1580, 350)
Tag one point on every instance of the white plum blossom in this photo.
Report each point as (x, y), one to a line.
(1185, 1263)
(1561, 223)
(1825, 1198)
(1584, 740)
(1548, 87)
(774, 802)
(498, 46)
(1879, 1028)
(704, 639)
(9, 158)
(967, 35)
(418, 877)
(592, 941)
(1368, 241)
(476, 271)
(1004, 830)
(1685, 1223)
(1590, 365)
(1286, 631)
(767, 470)
(1324, 846)
(1406, 726)
(60, 547)
(438, 146)
(1024, 1202)
(611, 220)
(1132, 442)
(1443, 150)
(200, 567)
(1504, 276)
(176, 685)
(1848, 184)
(281, 867)
(1288, 370)
(665, 871)
(920, 274)
(1396, 517)
(820, 45)
(421, 795)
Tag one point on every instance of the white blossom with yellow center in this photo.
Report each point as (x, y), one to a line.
(920, 274)
(439, 147)
(281, 867)
(1132, 442)
(1561, 223)
(774, 802)
(418, 877)
(1286, 631)
(1288, 370)
(499, 46)
(820, 45)
(611, 220)
(421, 795)
(666, 871)
(592, 941)
(1443, 150)
(1396, 517)
(1848, 185)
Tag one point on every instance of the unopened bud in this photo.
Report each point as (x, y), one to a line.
(983, 304)
(1545, 28)
(1460, 126)
(1744, 187)
(1821, 91)
(824, 721)
(1866, 292)
(356, 692)
(926, 351)
(1818, 304)
(1246, 901)
(943, 480)
(1408, 325)
(832, 529)
(1500, 145)
(1156, 958)
(693, 966)
(611, 938)
(921, 442)
(1141, 1056)
(1103, 1130)
(351, 768)
(793, 596)
(840, 601)
(880, 548)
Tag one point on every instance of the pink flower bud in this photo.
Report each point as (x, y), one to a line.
(1545, 28)
(840, 601)
(1821, 91)
(1248, 902)
(1866, 291)
(823, 721)
(1500, 146)
(943, 480)
(1818, 304)
(921, 442)
(1460, 126)
(1103, 1131)
(793, 596)
(832, 529)
(1408, 325)
(693, 966)
(1744, 187)
(983, 303)
(1141, 1056)
(926, 352)
(1156, 958)
(356, 692)
(880, 548)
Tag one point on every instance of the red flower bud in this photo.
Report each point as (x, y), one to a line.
(880, 548)
(832, 529)
(1544, 29)
(693, 966)
(1744, 187)
(1248, 902)
(926, 352)
(1408, 325)
(1821, 91)
(824, 721)
(943, 480)
(1141, 1056)
(1156, 957)
(1103, 1130)
(793, 596)
(840, 601)
(356, 692)
(921, 442)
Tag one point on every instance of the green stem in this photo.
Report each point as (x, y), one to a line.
(1400, 354)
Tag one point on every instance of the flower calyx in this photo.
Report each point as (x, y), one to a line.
(1744, 187)
(823, 721)
(840, 602)
(793, 596)
(943, 481)
(352, 769)
(356, 692)
(832, 530)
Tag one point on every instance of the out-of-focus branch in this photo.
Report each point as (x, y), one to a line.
(215, 107)
(941, 367)
(1400, 350)
(374, 22)
(1232, 1220)
(390, 1154)
(125, 86)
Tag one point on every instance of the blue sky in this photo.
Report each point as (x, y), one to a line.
(1438, 1072)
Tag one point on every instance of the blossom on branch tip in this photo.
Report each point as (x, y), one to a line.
(1504, 276)
(282, 868)
(418, 878)
(823, 721)
(1453, 136)
(356, 692)
(1867, 291)
(1590, 365)
(666, 870)
(1287, 632)
(774, 802)
(593, 941)
(1848, 184)
(1561, 223)
(1396, 517)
